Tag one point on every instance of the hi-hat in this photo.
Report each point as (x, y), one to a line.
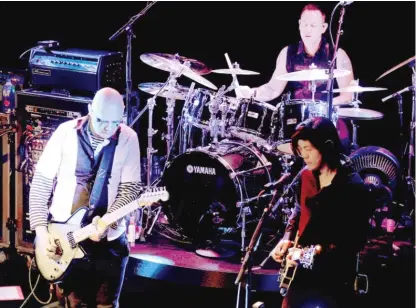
(234, 71)
(176, 92)
(312, 74)
(175, 64)
(356, 89)
(359, 114)
(408, 61)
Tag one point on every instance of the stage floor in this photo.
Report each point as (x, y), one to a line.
(163, 260)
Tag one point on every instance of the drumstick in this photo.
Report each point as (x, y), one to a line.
(237, 91)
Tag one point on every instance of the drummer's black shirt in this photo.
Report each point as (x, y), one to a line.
(298, 59)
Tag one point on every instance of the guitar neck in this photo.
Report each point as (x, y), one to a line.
(83, 233)
(109, 218)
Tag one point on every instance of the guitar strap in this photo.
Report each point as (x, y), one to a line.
(99, 194)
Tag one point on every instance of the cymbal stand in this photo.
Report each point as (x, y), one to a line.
(184, 124)
(399, 100)
(151, 102)
(224, 111)
(355, 126)
(312, 87)
(410, 181)
(214, 107)
(170, 108)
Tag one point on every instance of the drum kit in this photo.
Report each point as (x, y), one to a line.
(223, 145)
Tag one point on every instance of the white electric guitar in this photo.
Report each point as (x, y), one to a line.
(305, 259)
(70, 233)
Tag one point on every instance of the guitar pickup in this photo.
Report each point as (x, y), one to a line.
(58, 251)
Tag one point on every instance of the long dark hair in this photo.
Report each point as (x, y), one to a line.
(323, 135)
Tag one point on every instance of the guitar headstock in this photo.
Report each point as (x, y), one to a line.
(308, 256)
(152, 195)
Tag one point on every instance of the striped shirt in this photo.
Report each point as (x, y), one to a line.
(58, 160)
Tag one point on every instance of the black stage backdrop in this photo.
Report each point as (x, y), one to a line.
(377, 36)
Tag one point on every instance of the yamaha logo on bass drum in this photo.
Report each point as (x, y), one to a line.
(200, 170)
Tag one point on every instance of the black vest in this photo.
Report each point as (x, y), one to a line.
(92, 174)
(298, 59)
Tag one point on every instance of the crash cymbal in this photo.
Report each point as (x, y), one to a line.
(312, 74)
(177, 92)
(174, 64)
(235, 71)
(153, 59)
(359, 114)
(356, 89)
(397, 67)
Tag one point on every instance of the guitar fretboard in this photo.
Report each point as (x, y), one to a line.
(147, 198)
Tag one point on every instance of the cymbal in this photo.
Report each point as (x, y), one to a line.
(397, 67)
(356, 89)
(359, 114)
(175, 64)
(235, 71)
(152, 60)
(312, 74)
(177, 92)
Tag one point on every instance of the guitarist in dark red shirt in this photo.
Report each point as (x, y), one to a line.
(333, 213)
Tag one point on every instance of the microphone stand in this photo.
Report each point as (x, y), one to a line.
(247, 264)
(330, 84)
(130, 35)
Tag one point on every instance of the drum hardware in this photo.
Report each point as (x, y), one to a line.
(184, 126)
(312, 83)
(214, 107)
(409, 179)
(151, 102)
(224, 108)
(235, 82)
(170, 108)
(249, 171)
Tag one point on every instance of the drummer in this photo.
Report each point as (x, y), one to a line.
(312, 49)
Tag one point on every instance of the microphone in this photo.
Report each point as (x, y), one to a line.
(345, 3)
(283, 179)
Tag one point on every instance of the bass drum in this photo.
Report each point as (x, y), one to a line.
(213, 182)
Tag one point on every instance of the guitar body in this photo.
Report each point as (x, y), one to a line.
(286, 277)
(69, 235)
(306, 260)
(54, 269)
